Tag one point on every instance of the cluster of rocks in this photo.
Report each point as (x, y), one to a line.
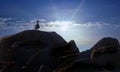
(39, 51)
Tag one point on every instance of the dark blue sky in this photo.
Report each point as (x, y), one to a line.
(80, 10)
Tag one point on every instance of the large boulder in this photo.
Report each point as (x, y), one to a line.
(69, 60)
(106, 53)
(104, 56)
(26, 46)
(65, 56)
(106, 43)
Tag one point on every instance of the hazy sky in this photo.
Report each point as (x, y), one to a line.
(85, 21)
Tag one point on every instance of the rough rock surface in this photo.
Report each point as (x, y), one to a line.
(39, 51)
(104, 56)
(31, 46)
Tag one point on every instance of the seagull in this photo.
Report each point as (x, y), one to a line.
(37, 26)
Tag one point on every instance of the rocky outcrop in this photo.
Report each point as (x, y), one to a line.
(104, 56)
(39, 51)
(65, 56)
(31, 48)
(106, 53)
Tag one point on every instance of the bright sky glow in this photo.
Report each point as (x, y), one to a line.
(63, 25)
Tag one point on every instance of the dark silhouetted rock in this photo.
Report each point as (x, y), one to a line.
(106, 43)
(65, 55)
(44, 68)
(102, 57)
(29, 48)
(73, 63)
(65, 50)
(39, 51)
(106, 53)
